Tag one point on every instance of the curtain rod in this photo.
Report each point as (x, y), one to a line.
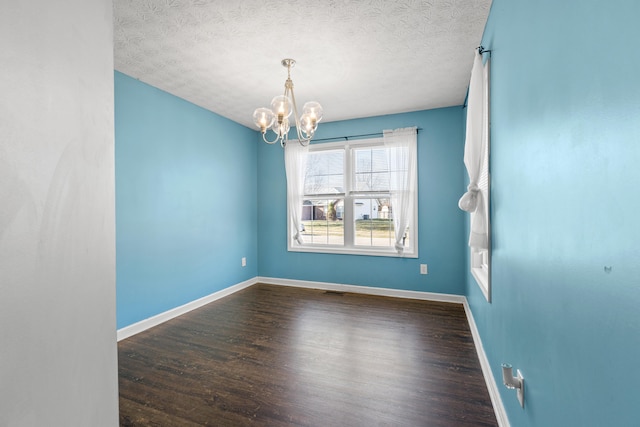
(364, 135)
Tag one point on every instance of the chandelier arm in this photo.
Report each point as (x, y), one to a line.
(304, 142)
(264, 138)
(301, 139)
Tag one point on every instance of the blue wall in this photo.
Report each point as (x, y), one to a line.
(565, 182)
(186, 208)
(441, 224)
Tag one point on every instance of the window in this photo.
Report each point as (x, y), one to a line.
(347, 200)
(480, 258)
(476, 200)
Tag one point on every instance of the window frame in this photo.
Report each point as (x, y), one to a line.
(480, 259)
(349, 196)
(481, 270)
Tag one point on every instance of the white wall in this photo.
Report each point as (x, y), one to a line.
(58, 360)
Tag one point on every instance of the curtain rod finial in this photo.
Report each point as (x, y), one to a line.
(482, 50)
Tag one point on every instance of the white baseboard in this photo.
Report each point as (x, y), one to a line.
(150, 322)
(492, 387)
(387, 292)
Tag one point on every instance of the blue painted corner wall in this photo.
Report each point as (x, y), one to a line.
(186, 197)
(440, 228)
(565, 125)
(196, 192)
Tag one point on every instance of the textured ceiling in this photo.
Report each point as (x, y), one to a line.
(358, 58)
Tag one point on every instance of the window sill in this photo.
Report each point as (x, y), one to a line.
(352, 251)
(482, 277)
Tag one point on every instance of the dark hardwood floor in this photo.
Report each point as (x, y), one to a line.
(281, 356)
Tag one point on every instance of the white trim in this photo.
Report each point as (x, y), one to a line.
(492, 387)
(387, 292)
(156, 320)
(355, 250)
(481, 275)
(377, 141)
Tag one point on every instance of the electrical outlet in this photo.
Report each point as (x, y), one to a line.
(423, 269)
(244, 261)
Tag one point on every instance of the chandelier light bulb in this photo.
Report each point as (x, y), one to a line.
(309, 125)
(313, 109)
(263, 118)
(281, 129)
(281, 107)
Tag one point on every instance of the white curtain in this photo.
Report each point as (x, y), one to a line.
(475, 148)
(402, 146)
(295, 163)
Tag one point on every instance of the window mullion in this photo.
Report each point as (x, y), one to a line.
(348, 198)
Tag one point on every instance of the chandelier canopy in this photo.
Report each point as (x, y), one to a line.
(276, 118)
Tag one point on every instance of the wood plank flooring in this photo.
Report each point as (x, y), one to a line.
(281, 356)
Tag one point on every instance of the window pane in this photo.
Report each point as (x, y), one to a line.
(373, 222)
(322, 222)
(324, 173)
(371, 169)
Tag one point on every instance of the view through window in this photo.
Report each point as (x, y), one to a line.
(346, 205)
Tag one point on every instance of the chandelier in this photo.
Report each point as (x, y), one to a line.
(277, 117)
